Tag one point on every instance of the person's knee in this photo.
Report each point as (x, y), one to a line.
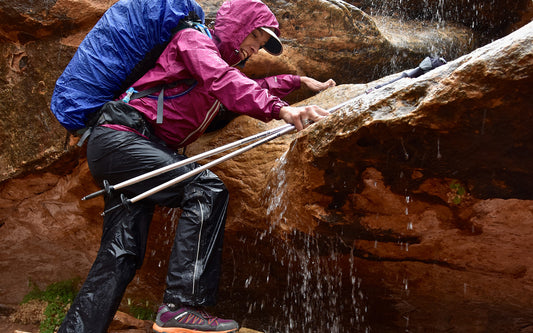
(125, 266)
(214, 181)
(219, 190)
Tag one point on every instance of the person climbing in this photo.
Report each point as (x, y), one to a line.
(206, 67)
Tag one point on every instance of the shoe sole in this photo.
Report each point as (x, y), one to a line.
(160, 329)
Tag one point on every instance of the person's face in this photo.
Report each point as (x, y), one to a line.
(252, 43)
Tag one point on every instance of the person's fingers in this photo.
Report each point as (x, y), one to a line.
(313, 114)
(297, 117)
(316, 112)
(331, 83)
(316, 85)
(302, 116)
(299, 123)
(325, 85)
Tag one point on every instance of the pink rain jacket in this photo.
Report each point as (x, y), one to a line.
(193, 55)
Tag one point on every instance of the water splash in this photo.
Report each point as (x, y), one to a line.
(274, 199)
(318, 282)
(320, 291)
(439, 156)
(407, 201)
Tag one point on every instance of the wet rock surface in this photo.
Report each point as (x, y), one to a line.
(409, 208)
(417, 183)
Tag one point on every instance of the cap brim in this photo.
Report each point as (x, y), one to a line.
(273, 45)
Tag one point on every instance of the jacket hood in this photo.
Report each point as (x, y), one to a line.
(235, 20)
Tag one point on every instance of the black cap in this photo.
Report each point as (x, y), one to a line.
(273, 45)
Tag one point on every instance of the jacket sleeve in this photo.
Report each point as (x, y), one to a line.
(280, 85)
(227, 84)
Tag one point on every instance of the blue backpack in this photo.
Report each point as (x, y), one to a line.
(119, 49)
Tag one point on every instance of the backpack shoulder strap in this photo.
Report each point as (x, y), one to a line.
(131, 93)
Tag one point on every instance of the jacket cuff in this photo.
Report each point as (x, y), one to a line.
(277, 107)
(297, 81)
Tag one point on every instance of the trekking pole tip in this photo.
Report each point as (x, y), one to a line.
(107, 211)
(107, 189)
(125, 202)
(93, 195)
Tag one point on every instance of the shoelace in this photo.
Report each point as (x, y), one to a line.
(193, 318)
(210, 319)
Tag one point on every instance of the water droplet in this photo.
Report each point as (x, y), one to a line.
(248, 282)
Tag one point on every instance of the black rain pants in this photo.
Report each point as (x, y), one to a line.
(194, 264)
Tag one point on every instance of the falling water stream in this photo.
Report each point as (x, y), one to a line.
(313, 282)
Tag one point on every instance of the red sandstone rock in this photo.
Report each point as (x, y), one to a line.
(410, 208)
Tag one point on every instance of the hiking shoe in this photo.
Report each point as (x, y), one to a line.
(171, 319)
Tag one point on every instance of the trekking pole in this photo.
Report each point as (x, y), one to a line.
(425, 66)
(125, 201)
(272, 134)
(108, 188)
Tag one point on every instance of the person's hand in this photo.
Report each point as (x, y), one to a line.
(302, 116)
(316, 85)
